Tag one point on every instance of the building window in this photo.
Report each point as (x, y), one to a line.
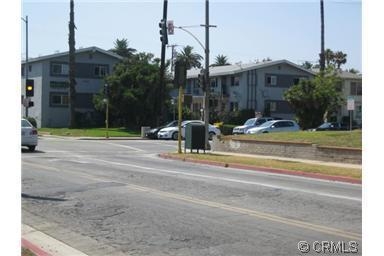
(271, 80)
(272, 106)
(100, 71)
(213, 82)
(58, 84)
(235, 81)
(356, 88)
(233, 106)
(59, 69)
(59, 99)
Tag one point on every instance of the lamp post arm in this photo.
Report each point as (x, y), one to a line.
(192, 36)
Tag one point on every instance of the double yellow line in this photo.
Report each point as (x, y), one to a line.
(253, 213)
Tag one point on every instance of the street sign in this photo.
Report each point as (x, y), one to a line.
(170, 27)
(350, 103)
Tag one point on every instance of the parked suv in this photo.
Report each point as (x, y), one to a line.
(250, 123)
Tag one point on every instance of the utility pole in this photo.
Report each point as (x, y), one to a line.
(322, 56)
(207, 82)
(173, 55)
(26, 61)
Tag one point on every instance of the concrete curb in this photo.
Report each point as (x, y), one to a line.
(43, 245)
(265, 169)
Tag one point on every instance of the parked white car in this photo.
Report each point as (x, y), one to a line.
(250, 123)
(172, 132)
(29, 135)
(275, 126)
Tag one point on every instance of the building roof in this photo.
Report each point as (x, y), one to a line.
(343, 74)
(81, 50)
(349, 75)
(238, 68)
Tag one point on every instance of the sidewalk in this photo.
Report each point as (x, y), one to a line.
(307, 161)
(275, 170)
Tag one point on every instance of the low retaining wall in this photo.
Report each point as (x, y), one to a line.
(289, 149)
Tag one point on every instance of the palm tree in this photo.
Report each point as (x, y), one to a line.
(340, 58)
(191, 59)
(329, 57)
(72, 81)
(221, 60)
(122, 49)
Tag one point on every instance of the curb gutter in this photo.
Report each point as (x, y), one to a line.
(265, 169)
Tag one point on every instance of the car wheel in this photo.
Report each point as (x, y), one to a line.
(175, 136)
(211, 134)
(31, 148)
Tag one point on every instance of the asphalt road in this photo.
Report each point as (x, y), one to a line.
(120, 198)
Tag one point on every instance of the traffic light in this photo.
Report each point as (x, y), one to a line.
(106, 91)
(163, 32)
(29, 88)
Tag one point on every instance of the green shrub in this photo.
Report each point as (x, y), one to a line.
(226, 129)
(32, 121)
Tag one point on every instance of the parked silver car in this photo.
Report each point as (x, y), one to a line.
(275, 126)
(29, 135)
(250, 123)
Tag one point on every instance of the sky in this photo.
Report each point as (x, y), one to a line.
(246, 31)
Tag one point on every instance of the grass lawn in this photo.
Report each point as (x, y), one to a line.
(90, 132)
(349, 139)
(26, 252)
(276, 164)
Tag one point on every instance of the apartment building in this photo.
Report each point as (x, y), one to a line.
(258, 86)
(51, 82)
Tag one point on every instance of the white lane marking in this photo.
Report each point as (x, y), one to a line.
(228, 180)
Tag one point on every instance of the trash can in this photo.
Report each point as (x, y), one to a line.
(144, 130)
(194, 137)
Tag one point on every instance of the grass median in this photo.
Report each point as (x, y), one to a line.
(227, 160)
(90, 132)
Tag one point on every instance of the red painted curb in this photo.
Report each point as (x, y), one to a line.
(34, 248)
(271, 170)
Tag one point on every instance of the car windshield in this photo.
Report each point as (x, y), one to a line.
(25, 123)
(325, 125)
(171, 124)
(267, 124)
(250, 121)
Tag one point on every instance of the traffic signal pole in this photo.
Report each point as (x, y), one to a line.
(162, 65)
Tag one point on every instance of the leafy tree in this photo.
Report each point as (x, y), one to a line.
(307, 65)
(314, 99)
(122, 49)
(221, 60)
(192, 60)
(133, 88)
(354, 71)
